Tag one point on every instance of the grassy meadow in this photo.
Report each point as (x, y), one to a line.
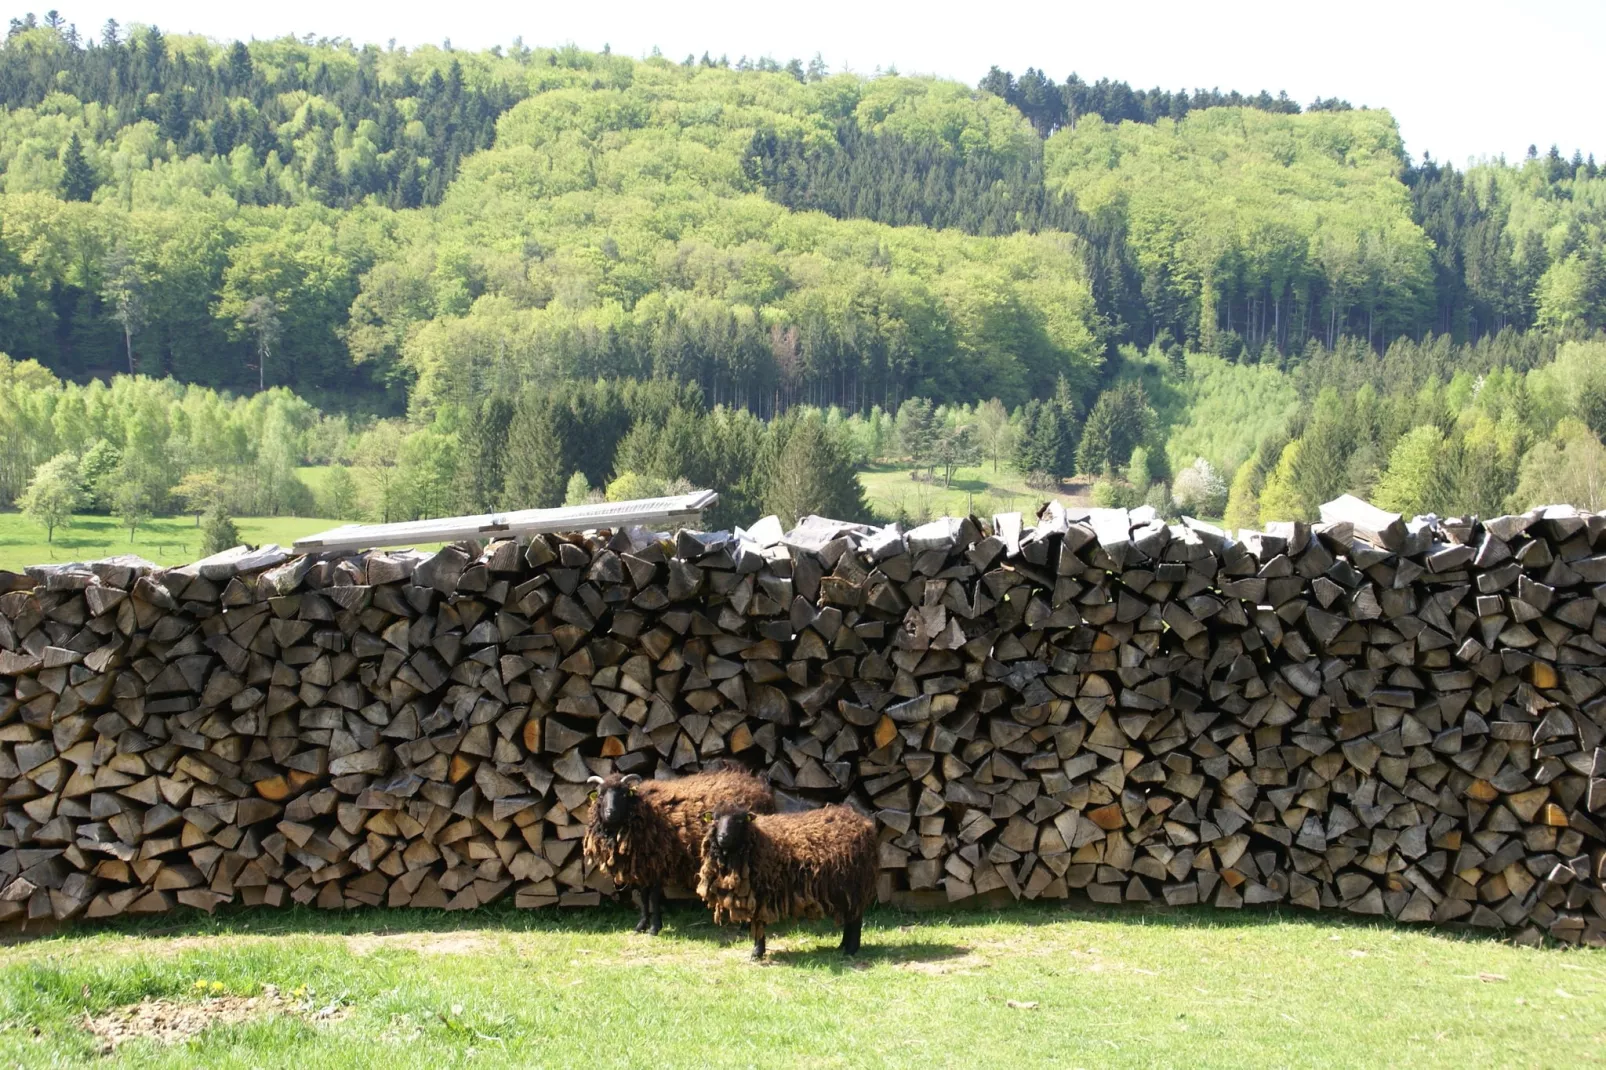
(974, 489)
(164, 540)
(1028, 986)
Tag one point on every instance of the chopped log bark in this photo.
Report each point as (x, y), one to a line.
(1393, 717)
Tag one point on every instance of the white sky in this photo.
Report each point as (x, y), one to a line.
(1464, 78)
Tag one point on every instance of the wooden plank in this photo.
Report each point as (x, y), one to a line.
(679, 510)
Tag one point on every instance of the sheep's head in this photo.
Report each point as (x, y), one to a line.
(614, 799)
(731, 828)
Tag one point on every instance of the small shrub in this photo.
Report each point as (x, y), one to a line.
(1199, 490)
(1159, 499)
(578, 492)
(1109, 494)
(218, 533)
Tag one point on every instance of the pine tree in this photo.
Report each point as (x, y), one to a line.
(1096, 453)
(916, 431)
(78, 181)
(536, 458)
(484, 451)
(809, 472)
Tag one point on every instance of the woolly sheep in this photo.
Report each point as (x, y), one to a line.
(646, 834)
(762, 868)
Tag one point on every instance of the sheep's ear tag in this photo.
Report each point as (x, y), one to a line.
(632, 789)
(708, 817)
(593, 796)
(750, 816)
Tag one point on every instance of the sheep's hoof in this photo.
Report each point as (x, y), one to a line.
(641, 927)
(653, 929)
(757, 954)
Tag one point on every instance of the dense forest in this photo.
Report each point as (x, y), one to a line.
(668, 271)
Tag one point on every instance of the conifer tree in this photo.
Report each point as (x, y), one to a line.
(79, 182)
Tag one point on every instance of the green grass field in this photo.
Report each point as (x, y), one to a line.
(1028, 986)
(166, 541)
(977, 490)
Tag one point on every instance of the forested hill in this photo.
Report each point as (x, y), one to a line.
(385, 229)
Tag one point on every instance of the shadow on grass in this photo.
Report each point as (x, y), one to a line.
(686, 920)
(871, 953)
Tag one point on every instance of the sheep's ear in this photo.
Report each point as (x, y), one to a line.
(708, 817)
(751, 816)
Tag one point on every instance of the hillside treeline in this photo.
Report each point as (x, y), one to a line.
(243, 215)
(449, 250)
(137, 447)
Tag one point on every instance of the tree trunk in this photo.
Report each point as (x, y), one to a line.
(128, 343)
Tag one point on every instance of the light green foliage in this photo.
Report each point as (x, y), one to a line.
(996, 433)
(53, 494)
(427, 472)
(1569, 469)
(1574, 384)
(377, 452)
(632, 485)
(1139, 470)
(1572, 292)
(662, 260)
(1413, 483)
(578, 492)
(1222, 411)
(201, 490)
(338, 496)
(1114, 494)
(133, 505)
(1234, 204)
(97, 473)
(1243, 497)
(1280, 496)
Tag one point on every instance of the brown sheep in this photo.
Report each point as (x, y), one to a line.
(761, 868)
(648, 833)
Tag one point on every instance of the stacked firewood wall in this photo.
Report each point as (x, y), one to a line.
(1393, 718)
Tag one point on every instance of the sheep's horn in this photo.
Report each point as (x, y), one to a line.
(595, 781)
(632, 779)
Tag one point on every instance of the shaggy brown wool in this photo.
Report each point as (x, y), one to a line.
(814, 864)
(661, 842)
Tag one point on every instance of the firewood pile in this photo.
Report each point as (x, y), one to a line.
(1388, 717)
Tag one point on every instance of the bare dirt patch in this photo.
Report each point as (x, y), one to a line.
(169, 1021)
(424, 943)
(964, 965)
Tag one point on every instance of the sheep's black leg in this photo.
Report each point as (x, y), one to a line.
(645, 895)
(657, 922)
(758, 940)
(850, 936)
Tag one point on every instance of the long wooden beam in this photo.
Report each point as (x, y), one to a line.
(681, 510)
